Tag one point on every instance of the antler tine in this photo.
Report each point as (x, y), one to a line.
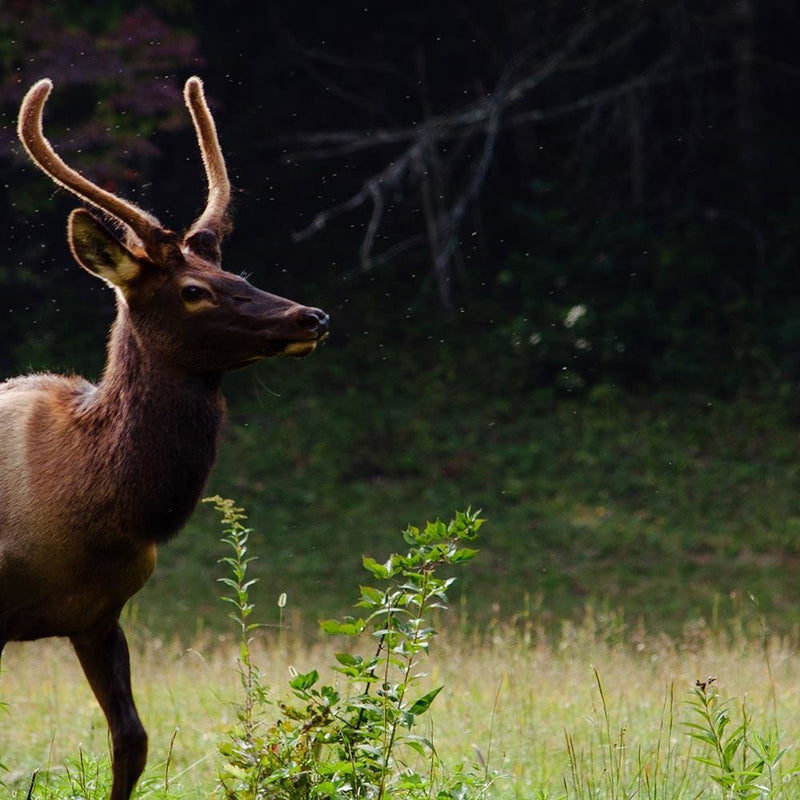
(215, 216)
(29, 128)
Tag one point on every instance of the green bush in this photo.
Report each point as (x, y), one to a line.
(361, 739)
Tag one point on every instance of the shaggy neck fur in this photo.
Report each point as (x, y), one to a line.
(158, 429)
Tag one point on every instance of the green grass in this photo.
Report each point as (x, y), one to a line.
(597, 712)
(634, 545)
(594, 706)
(664, 509)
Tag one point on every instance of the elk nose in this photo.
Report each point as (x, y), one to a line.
(314, 321)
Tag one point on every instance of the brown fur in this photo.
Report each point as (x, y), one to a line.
(94, 477)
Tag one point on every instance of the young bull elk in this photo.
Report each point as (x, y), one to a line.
(93, 478)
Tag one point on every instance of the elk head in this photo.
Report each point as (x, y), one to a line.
(188, 314)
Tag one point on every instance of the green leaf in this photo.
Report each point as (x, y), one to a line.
(411, 535)
(371, 597)
(707, 761)
(421, 740)
(382, 571)
(237, 772)
(463, 555)
(421, 705)
(334, 627)
(330, 695)
(304, 681)
(348, 660)
(411, 781)
(331, 626)
(435, 530)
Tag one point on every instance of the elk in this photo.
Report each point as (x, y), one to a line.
(94, 477)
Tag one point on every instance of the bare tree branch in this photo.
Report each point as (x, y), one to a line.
(416, 152)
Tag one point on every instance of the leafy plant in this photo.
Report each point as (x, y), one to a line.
(743, 761)
(360, 739)
(236, 537)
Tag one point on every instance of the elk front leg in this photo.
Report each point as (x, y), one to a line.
(106, 662)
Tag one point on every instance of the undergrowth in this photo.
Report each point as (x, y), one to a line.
(722, 754)
(665, 509)
(359, 737)
(368, 731)
(743, 761)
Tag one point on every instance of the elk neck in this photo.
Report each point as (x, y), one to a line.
(158, 429)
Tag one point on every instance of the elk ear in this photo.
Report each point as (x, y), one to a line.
(205, 243)
(98, 251)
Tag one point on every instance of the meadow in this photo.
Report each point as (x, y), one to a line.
(664, 508)
(634, 546)
(599, 712)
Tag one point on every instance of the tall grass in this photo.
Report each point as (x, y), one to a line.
(598, 711)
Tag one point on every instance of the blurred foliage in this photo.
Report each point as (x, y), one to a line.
(662, 506)
(646, 191)
(115, 70)
(641, 243)
(618, 301)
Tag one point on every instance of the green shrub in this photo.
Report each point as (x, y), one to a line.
(742, 761)
(360, 739)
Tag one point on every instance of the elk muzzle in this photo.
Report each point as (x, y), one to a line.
(312, 325)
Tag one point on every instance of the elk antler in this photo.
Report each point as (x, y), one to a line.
(214, 218)
(29, 128)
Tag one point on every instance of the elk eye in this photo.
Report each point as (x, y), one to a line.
(192, 293)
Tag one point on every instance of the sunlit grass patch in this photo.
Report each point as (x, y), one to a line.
(527, 705)
(591, 708)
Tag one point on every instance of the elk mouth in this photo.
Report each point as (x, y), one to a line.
(310, 328)
(299, 349)
(295, 348)
(317, 331)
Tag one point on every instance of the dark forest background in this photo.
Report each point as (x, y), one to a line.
(413, 165)
(520, 204)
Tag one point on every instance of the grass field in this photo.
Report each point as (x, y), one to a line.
(633, 546)
(664, 509)
(598, 712)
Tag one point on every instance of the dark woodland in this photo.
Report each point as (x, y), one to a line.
(588, 193)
